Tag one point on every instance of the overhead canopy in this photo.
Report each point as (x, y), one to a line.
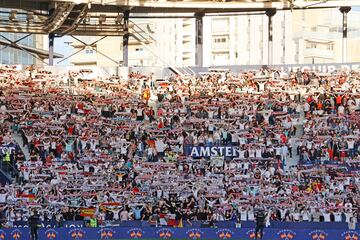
(40, 52)
(104, 17)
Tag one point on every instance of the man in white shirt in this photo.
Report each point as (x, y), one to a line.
(278, 151)
(305, 214)
(337, 216)
(306, 107)
(341, 110)
(326, 214)
(348, 215)
(352, 223)
(284, 153)
(3, 196)
(243, 214)
(295, 216)
(160, 147)
(351, 145)
(124, 215)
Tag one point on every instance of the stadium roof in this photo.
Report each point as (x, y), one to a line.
(103, 17)
(111, 17)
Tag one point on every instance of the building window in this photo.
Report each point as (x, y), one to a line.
(311, 45)
(220, 25)
(89, 51)
(139, 49)
(220, 40)
(330, 47)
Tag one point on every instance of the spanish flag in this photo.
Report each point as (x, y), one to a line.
(110, 204)
(29, 196)
(87, 212)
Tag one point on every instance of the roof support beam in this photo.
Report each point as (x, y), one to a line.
(220, 6)
(80, 17)
(126, 39)
(14, 44)
(58, 17)
(90, 45)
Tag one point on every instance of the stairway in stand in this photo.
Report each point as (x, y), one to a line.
(5, 171)
(25, 149)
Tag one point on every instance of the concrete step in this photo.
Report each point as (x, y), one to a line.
(18, 139)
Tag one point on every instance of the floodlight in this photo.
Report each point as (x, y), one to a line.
(12, 16)
(102, 18)
(30, 16)
(118, 19)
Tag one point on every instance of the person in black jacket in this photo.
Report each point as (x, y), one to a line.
(34, 221)
(260, 218)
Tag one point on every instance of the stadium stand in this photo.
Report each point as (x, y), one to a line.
(187, 152)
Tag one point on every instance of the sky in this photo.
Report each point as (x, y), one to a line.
(63, 48)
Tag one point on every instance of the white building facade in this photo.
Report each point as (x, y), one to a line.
(310, 36)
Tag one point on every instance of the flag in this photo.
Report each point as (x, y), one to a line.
(87, 212)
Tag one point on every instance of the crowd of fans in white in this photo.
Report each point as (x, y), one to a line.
(117, 147)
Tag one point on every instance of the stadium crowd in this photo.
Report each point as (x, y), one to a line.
(116, 150)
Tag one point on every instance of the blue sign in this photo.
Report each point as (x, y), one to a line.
(11, 148)
(178, 233)
(212, 151)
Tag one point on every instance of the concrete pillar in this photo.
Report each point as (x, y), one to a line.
(344, 11)
(199, 39)
(126, 39)
(51, 37)
(207, 51)
(51, 48)
(270, 13)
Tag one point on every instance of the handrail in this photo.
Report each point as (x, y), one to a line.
(5, 173)
(142, 30)
(174, 69)
(137, 34)
(191, 71)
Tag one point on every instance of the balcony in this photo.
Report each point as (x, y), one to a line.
(318, 52)
(317, 36)
(220, 32)
(220, 47)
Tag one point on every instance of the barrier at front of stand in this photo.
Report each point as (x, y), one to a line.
(177, 233)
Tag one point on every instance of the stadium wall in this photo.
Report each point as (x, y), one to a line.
(179, 233)
(162, 72)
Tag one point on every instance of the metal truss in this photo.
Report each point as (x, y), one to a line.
(91, 45)
(81, 17)
(14, 44)
(103, 17)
